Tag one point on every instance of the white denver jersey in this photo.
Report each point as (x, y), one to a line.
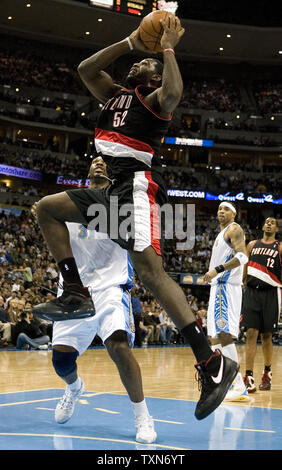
(101, 262)
(221, 253)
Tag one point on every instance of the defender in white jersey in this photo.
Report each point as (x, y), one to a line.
(225, 276)
(106, 269)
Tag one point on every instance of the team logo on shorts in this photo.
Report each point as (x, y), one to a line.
(221, 323)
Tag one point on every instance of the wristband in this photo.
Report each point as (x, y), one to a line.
(241, 257)
(219, 269)
(129, 43)
(169, 50)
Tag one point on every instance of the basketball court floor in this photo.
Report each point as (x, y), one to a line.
(103, 418)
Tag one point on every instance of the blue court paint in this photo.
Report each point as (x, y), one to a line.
(105, 422)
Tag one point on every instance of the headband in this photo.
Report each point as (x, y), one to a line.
(227, 204)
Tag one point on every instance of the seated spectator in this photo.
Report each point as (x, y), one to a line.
(4, 317)
(30, 333)
(147, 325)
(167, 329)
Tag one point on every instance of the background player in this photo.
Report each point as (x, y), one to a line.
(107, 269)
(262, 300)
(225, 275)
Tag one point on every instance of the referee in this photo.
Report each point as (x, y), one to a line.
(262, 300)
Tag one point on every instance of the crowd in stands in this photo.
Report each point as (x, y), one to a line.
(241, 181)
(228, 176)
(240, 125)
(268, 96)
(47, 163)
(32, 70)
(28, 275)
(217, 95)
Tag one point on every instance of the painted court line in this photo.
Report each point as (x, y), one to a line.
(29, 401)
(251, 430)
(89, 438)
(107, 411)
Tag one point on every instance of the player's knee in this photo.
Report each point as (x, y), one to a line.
(151, 277)
(43, 207)
(64, 363)
(117, 345)
(252, 334)
(266, 337)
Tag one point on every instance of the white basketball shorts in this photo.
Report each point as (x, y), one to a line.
(224, 309)
(113, 312)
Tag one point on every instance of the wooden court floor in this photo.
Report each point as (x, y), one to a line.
(167, 372)
(103, 418)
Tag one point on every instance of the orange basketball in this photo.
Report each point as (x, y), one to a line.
(151, 29)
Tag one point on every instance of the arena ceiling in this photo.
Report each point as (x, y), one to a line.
(68, 22)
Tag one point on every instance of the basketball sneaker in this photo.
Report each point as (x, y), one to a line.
(145, 431)
(237, 392)
(249, 383)
(214, 387)
(74, 303)
(265, 381)
(65, 407)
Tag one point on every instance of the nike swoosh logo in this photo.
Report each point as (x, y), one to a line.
(218, 378)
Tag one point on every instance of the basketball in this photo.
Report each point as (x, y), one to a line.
(151, 29)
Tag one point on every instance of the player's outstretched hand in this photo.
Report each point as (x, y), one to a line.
(137, 42)
(173, 32)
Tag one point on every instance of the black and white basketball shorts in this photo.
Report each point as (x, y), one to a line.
(128, 210)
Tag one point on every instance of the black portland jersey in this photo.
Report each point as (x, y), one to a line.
(264, 266)
(129, 132)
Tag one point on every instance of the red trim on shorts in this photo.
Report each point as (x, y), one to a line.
(154, 215)
(264, 270)
(135, 144)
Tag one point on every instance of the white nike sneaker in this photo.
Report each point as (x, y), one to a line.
(65, 407)
(145, 431)
(237, 392)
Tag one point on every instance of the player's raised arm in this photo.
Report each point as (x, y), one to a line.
(92, 70)
(169, 94)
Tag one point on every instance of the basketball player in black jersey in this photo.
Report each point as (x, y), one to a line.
(262, 299)
(129, 130)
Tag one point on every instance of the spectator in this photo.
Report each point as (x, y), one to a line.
(29, 332)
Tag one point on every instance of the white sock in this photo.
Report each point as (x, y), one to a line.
(140, 409)
(75, 385)
(231, 352)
